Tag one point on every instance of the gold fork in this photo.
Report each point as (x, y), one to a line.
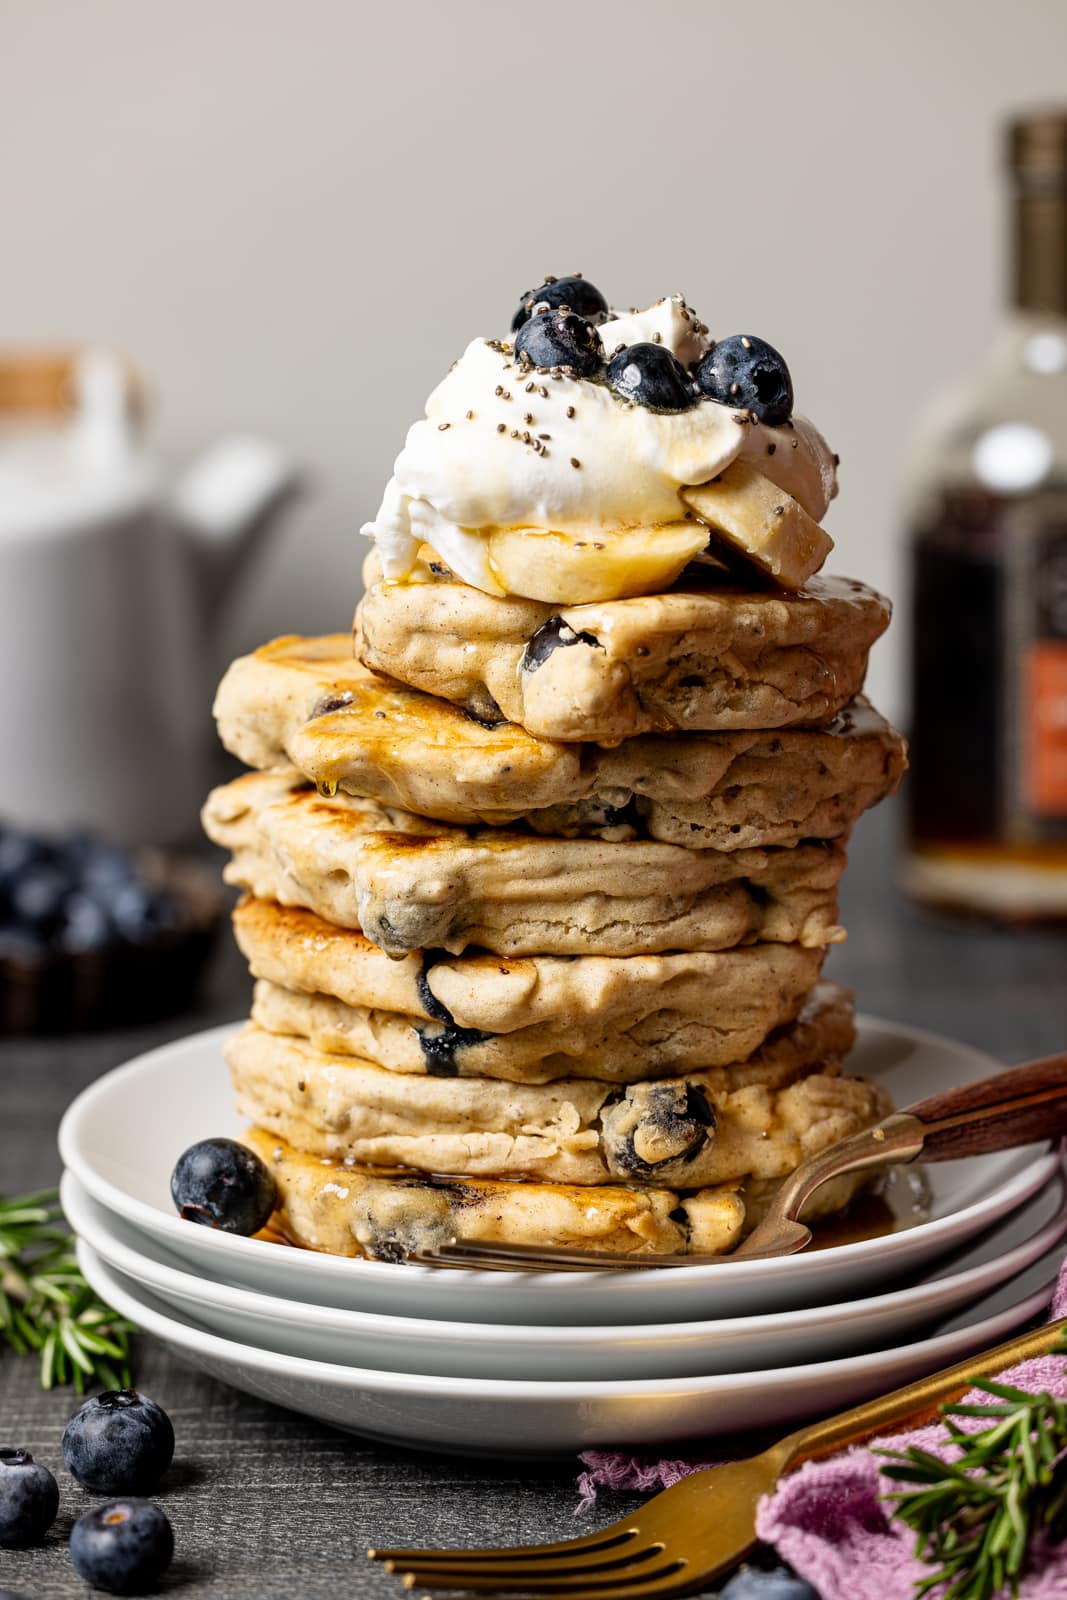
(703, 1526)
(1022, 1105)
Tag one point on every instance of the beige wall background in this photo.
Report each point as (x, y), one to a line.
(295, 213)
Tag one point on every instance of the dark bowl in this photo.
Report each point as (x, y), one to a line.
(123, 983)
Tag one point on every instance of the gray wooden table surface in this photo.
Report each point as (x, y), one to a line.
(266, 1503)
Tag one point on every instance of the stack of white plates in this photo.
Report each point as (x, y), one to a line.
(522, 1363)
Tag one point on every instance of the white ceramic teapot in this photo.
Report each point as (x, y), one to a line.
(110, 586)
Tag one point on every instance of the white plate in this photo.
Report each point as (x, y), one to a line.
(494, 1350)
(122, 1136)
(495, 1416)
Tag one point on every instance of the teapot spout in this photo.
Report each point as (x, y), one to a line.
(225, 503)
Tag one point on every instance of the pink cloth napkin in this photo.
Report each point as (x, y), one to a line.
(828, 1519)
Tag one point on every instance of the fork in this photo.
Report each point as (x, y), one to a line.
(704, 1525)
(1021, 1105)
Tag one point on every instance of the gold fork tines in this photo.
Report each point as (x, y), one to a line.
(667, 1548)
(701, 1527)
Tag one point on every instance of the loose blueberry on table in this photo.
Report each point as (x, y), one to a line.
(767, 1583)
(748, 373)
(119, 1442)
(572, 291)
(651, 375)
(222, 1184)
(29, 1500)
(122, 1546)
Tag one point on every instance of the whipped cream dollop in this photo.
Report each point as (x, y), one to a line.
(503, 447)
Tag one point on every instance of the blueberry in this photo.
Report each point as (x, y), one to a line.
(775, 1583)
(29, 1500)
(95, 862)
(140, 911)
(653, 376)
(222, 1184)
(86, 924)
(747, 372)
(575, 292)
(119, 1442)
(553, 634)
(21, 944)
(18, 852)
(561, 339)
(36, 897)
(123, 1546)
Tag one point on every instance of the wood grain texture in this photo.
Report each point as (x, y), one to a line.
(1026, 1103)
(265, 1503)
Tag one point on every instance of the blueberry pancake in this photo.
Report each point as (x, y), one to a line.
(411, 884)
(699, 657)
(344, 1210)
(309, 704)
(707, 1128)
(531, 1019)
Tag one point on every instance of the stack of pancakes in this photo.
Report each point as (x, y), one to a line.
(537, 901)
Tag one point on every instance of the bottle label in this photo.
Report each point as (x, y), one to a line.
(1045, 736)
(1043, 719)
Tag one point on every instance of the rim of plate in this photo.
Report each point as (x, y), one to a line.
(238, 1299)
(332, 1375)
(1012, 1192)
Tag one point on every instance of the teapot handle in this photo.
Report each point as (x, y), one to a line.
(224, 503)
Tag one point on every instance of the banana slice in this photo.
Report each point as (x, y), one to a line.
(609, 565)
(762, 523)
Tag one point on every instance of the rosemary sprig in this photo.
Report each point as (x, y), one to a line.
(976, 1517)
(47, 1307)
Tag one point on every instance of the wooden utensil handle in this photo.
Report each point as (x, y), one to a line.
(1025, 1103)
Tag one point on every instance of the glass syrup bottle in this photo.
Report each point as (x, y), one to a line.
(986, 503)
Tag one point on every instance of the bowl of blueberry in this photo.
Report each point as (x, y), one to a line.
(93, 934)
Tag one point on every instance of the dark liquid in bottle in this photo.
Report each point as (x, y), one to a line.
(988, 779)
(958, 737)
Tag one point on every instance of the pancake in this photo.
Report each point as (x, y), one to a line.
(707, 1128)
(342, 1210)
(411, 884)
(698, 657)
(536, 1018)
(309, 704)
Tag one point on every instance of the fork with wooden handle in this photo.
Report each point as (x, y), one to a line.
(701, 1527)
(1023, 1105)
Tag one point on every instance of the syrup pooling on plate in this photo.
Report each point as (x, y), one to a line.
(902, 1200)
